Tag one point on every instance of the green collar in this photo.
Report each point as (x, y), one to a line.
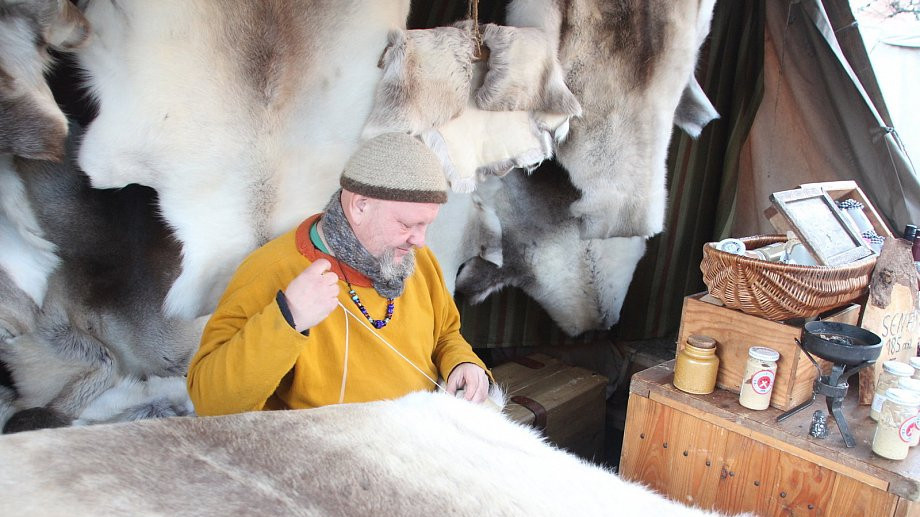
(315, 239)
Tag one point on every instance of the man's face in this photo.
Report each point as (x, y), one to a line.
(393, 229)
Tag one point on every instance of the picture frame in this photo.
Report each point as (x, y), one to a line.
(814, 217)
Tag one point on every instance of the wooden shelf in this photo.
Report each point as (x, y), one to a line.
(709, 451)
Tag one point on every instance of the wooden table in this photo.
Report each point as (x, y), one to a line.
(709, 451)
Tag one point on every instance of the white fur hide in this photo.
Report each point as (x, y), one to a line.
(482, 142)
(241, 115)
(25, 255)
(616, 151)
(581, 283)
(424, 454)
(425, 83)
(134, 399)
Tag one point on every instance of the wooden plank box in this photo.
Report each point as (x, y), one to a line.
(708, 451)
(572, 400)
(736, 332)
(837, 190)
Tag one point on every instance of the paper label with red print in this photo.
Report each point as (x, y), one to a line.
(762, 381)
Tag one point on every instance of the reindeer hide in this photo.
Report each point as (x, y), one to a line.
(616, 151)
(423, 454)
(425, 83)
(240, 114)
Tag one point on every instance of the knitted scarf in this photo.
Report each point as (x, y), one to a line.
(388, 278)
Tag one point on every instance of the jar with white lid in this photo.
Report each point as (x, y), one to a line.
(913, 386)
(759, 377)
(898, 414)
(891, 372)
(915, 364)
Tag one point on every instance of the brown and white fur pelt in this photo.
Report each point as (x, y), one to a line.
(425, 83)
(73, 312)
(616, 151)
(100, 320)
(240, 114)
(31, 126)
(581, 283)
(420, 455)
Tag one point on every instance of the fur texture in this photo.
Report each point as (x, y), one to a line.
(31, 124)
(694, 110)
(423, 454)
(524, 73)
(99, 320)
(135, 399)
(481, 142)
(241, 116)
(425, 83)
(616, 151)
(580, 283)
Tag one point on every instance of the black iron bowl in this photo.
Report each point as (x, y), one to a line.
(841, 343)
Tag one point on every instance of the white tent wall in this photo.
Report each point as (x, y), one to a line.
(817, 123)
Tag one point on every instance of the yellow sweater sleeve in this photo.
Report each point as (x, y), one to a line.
(247, 346)
(451, 348)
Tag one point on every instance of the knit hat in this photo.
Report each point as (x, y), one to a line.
(395, 167)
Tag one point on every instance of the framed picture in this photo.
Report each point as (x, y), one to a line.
(815, 219)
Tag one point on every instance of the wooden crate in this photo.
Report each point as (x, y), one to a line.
(708, 451)
(572, 399)
(837, 190)
(736, 332)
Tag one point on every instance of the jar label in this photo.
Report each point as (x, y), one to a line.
(907, 429)
(762, 381)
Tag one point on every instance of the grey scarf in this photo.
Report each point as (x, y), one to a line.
(345, 246)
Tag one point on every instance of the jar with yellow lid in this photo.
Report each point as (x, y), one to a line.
(896, 422)
(697, 366)
(891, 372)
(759, 377)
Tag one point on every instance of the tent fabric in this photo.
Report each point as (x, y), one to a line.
(818, 123)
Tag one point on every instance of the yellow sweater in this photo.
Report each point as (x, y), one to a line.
(250, 358)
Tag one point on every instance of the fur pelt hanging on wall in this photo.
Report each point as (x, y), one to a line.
(240, 114)
(616, 151)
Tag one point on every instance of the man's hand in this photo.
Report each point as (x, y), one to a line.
(312, 295)
(472, 379)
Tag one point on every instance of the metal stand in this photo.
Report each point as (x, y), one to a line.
(834, 388)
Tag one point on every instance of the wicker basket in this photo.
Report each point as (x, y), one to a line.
(778, 291)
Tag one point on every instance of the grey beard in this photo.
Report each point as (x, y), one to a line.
(388, 277)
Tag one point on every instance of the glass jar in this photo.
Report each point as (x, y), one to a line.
(759, 377)
(891, 372)
(697, 366)
(913, 386)
(915, 364)
(895, 421)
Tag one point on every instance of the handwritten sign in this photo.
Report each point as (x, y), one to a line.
(891, 311)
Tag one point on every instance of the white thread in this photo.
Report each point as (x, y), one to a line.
(404, 358)
(345, 362)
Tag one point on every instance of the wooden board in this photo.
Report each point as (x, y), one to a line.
(891, 311)
(736, 332)
(573, 398)
(709, 451)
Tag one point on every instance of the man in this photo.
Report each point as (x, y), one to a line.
(348, 307)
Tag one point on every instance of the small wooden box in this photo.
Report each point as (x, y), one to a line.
(572, 401)
(837, 190)
(736, 332)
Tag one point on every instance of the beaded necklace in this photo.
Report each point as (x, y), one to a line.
(378, 324)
